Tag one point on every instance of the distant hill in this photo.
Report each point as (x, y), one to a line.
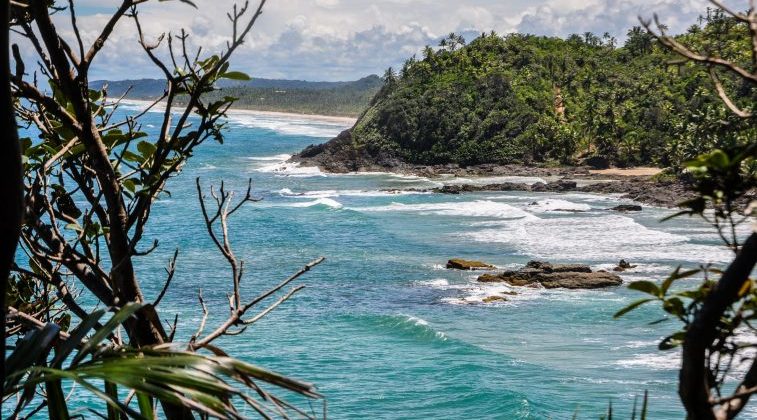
(138, 89)
(330, 98)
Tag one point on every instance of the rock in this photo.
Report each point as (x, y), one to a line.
(623, 265)
(489, 278)
(460, 264)
(492, 299)
(562, 185)
(460, 188)
(558, 268)
(627, 207)
(596, 162)
(553, 276)
(566, 280)
(539, 187)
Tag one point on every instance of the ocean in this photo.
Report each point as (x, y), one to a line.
(382, 328)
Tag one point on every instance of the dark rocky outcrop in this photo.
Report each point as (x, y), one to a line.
(492, 299)
(554, 276)
(627, 207)
(558, 268)
(562, 185)
(340, 156)
(596, 162)
(460, 264)
(623, 265)
(460, 188)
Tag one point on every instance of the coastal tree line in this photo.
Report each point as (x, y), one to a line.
(522, 98)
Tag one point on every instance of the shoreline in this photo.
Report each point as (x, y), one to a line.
(252, 112)
(645, 185)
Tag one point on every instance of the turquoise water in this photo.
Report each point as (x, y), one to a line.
(382, 328)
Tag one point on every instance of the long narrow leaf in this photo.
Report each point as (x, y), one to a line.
(118, 318)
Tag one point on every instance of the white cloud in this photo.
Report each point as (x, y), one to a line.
(337, 40)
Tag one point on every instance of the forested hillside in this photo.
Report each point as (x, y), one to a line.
(329, 98)
(532, 99)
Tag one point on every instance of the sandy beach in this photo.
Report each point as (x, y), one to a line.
(237, 111)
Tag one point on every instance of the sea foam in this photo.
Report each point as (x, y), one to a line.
(292, 169)
(598, 238)
(323, 202)
(478, 208)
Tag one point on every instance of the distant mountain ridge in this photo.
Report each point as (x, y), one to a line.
(152, 88)
(348, 98)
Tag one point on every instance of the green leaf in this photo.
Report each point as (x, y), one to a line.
(631, 307)
(147, 149)
(145, 406)
(677, 275)
(56, 401)
(95, 95)
(73, 226)
(112, 390)
(26, 143)
(117, 319)
(130, 185)
(674, 306)
(646, 287)
(76, 337)
(235, 75)
(29, 350)
(133, 157)
(672, 341)
(718, 159)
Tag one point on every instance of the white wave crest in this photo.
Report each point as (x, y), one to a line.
(324, 202)
(556, 204)
(438, 283)
(292, 169)
(276, 158)
(599, 238)
(478, 208)
(347, 193)
(288, 125)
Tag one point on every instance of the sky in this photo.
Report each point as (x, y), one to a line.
(348, 39)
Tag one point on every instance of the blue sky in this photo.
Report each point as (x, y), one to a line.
(348, 39)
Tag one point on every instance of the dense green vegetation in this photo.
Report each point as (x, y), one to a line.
(531, 99)
(326, 98)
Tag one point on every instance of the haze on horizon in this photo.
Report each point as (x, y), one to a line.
(334, 40)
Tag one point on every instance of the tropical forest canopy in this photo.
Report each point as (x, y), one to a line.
(532, 99)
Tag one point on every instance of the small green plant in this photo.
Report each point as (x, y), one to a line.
(208, 384)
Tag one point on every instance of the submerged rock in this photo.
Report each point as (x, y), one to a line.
(627, 207)
(492, 299)
(623, 265)
(554, 276)
(460, 264)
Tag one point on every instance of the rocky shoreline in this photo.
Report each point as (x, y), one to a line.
(639, 189)
(339, 156)
(334, 157)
